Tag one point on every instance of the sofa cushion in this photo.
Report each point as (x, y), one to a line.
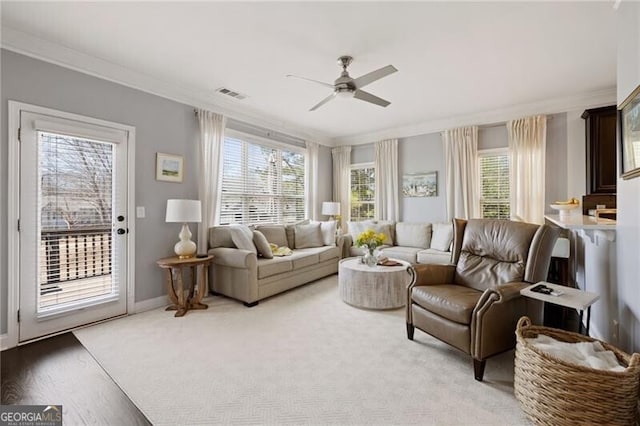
(262, 245)
(242, 237)
(357, 251)
(328, 252)
(277, 265)
(328, 230)
(308, 236)
(356, 228)
(413, 234)
(442, 236)
(408, 254)
(304, 257)
(433, 256)
(220, 236)
(274, 234)
(452, 302)
(290, 230)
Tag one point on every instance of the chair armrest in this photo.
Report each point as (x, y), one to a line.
(233, 257)
(429, 274)
(494, 318)
(509, 291)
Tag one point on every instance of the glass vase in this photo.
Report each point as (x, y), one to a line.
(369, 258)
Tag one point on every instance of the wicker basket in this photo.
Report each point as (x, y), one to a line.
(554, 392)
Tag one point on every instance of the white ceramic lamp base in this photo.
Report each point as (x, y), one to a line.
(185, 248)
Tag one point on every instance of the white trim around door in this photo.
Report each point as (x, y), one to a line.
(13, 209)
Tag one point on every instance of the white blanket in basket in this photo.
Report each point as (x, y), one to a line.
(586, 354)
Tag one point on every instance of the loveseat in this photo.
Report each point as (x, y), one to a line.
(244, 267)
(414, 242)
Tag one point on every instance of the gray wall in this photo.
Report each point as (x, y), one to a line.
(628, 202)
(425, 153)
(161, 126)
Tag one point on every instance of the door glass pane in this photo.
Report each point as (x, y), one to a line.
(75, 251)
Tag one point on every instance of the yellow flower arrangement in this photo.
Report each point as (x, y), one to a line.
(370, 239)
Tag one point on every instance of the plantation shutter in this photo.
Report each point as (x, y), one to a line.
(494, 186)
(261, 183)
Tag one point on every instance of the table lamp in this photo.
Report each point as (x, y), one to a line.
(331, 208)
(184, 211)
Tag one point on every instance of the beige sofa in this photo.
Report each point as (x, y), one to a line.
(242, 268)
(414, 242)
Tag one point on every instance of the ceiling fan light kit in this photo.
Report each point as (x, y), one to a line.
(347, 87)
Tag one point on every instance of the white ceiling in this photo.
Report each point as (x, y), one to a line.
(455, 60)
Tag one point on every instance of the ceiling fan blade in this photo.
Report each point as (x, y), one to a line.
(368, 97)
(324, 101)
(311, 80)
(369, 78)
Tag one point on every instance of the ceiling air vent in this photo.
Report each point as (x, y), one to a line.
(231, 93)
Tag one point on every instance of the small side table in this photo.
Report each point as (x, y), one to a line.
(176, 265)
(571, 298)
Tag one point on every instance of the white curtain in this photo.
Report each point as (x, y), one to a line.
(211, 140)
(341, 178)
(527, 146)
(386, 195)
(461, 173)
(311, 180)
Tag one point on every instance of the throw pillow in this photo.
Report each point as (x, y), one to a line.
(356, 228)
(291, 232)
(243, 238)
(328, 230)
(382, 228)
(308, 236)
(262, 245)
(413, 234)
(442, 236)
(274, 234)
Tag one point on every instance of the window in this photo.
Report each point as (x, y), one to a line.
(494, 184)
(363, 186)
(261, 183)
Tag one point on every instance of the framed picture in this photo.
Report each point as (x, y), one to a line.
(420, 185)
(629, 130)
(169, 168)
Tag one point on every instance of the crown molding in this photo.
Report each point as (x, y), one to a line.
(586, 100)
(39, 48)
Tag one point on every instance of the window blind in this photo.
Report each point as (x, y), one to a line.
(261, 183)
(76, 193)
(494, 186)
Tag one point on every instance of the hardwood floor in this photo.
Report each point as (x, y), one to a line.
(59, 370)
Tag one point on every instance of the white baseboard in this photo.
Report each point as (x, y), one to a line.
(4, 342)
(149, 304)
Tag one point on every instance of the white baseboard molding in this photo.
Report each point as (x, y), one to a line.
(4, 342)
(149, 304)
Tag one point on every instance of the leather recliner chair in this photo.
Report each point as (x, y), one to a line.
(474, 303)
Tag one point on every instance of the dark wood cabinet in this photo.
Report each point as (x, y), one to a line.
(601, 149)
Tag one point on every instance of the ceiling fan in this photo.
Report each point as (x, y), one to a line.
(346, 86)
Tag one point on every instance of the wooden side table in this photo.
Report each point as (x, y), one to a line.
(570, 297)
(174, 268)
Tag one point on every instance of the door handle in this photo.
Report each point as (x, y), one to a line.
(120, 231)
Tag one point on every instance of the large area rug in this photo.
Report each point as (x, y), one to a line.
(302, 357)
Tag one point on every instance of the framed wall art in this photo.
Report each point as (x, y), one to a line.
(629, 132)
(169, 167)
(420, 185)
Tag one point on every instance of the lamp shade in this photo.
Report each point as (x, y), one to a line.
(330, 208)
(183, 211)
